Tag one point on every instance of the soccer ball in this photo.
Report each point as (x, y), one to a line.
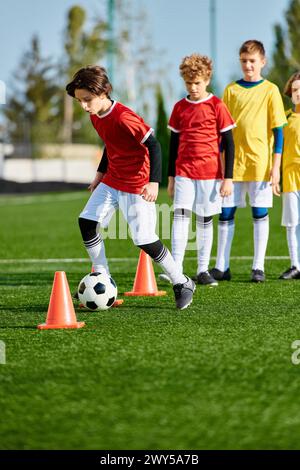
(97, 291)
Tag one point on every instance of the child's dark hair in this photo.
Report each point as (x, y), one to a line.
(288, 87)
(92, 78)
(252, 46)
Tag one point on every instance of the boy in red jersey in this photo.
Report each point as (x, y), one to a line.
(196, 181)
(127, 178)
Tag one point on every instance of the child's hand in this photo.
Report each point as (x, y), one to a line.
(150, 192)
(95, 181)
(275, 180)
(226, 187)
(171, 187)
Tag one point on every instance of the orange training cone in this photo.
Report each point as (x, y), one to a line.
(145, 282)
(61, 313)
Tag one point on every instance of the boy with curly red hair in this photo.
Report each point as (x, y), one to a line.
(198, 122)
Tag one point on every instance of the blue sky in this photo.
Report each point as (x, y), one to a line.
(178, 27)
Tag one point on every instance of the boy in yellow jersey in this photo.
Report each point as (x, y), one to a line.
(256, 106)
(291, 178)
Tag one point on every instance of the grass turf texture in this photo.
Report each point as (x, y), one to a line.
(143, 376)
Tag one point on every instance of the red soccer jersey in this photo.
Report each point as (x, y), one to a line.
(124, 133)
(200, 124)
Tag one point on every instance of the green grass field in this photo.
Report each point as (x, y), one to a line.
(144, 376)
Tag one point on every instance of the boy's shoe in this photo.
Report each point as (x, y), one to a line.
(205, 279)
(291, 273)
(258, 275)
(164, 277)
(220, 275)
(184, 293)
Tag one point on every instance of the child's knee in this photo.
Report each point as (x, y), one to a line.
(259, 212)
(182, 213)
(88, 228)
(154, 249)
(204, 220)
(227, 214)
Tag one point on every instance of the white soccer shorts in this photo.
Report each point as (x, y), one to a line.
(290, 209)
(200, 196)
(260, 194)
(138, 213)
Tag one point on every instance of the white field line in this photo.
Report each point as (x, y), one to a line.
(115, 260)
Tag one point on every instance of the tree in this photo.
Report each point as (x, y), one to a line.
(39, 110)
(138, 68)
(286, 55)
(162, 134)
(32, 109)
(82, 48)
(281, 68)
(293, 20)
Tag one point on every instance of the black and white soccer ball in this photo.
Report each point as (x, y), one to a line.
(97, 291)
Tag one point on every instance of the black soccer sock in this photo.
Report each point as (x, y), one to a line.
(161, 255)
(94, 244)
(155, 250)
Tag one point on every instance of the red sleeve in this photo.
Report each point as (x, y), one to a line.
(174, 124)
(136, 126)
(224, 118)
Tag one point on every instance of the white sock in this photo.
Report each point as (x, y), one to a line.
(261, 235)
(204, 235)
(180, 234)
(298, 244)
(293, 244)
(166, 261)
(225, 237)
(96, 251)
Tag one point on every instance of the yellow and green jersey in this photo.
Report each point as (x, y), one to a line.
(291, 153)
(256, 110)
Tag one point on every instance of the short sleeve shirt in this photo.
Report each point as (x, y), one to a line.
(200, 125)
(291, 153)
(124, 133)
(256, 110)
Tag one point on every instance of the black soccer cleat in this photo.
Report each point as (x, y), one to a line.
(291, 273)
(257, 275)
(205, 279)
(184, 293)
(220, 275)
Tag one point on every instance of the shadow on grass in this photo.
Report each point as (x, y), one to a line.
(27, 279)
(18, 327)
(24, 309)
(126, 309)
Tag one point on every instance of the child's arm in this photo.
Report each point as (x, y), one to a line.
(275, 171)
(102, 168)
(228, 146)
(173, 153)
(275, 174)
(150, 190)
(96, 181)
